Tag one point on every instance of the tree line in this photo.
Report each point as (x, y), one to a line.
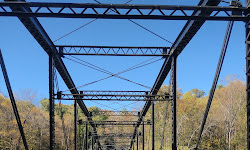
(225, 127)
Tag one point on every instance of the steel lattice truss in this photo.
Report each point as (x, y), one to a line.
(115, 135)
(117, 113)
(116, 146)
(118, 141)
(113, 51)
(114, 123)
(113, 96)
(195, 16)
(75, 10)
(125, 139)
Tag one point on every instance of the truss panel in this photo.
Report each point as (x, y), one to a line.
(113, 96)
(115, 11)
(113, 51)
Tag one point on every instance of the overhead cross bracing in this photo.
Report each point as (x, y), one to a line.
(117, 113)
(66, 10)
(195, 15)
(113, 96)
(112, 50)
(133, 123)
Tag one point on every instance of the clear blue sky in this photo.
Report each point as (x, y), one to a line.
(27, 63)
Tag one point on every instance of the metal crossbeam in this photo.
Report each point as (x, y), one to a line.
(116, 122)
(99, 136)
(113, 96)
(110, 144)
(118, 142)
(116, 146)
(112, 50)
(114, 134)
(117, 137)
(116, 11)
(116, 113)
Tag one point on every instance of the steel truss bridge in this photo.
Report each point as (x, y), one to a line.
(196, 16)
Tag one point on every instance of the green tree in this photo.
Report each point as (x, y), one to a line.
(45, 104)
(197, 93)
(96, 114)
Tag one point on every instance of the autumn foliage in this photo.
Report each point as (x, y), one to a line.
(225, 127)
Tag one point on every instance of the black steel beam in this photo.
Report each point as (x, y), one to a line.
(185, 36)
(117, 137)
(117, 122)
(114, 134)
(75, 124)
(143, 136)
(153, 125)
(92, 141)
(37, 31)
(111, 92)
(174, 103)
(105, 146)
(117, 113)
(80, 137)
(100, 136)
(216, 78)
(71, 10)
(12, 100)
(137, 140)
(113, 121)
(113, 96)
(86, 135)
(119, 142)
(112, 50)
(248, 76)
(51, 103)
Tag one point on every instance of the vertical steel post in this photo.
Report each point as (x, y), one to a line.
(153, 125)
(86, 135)
(248, 75)
(174, 110)
(75, 123)
(83, 140)
(12, 99)
(79, 137)
(137, 140)
(143, 130)
(51, 102)
(92, 140)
